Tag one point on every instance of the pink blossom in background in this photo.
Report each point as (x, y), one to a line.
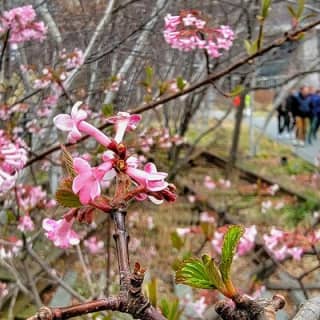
(193, 309)
(150, 222)
(30, 197)
(225, 183)
(209, 183)
(266, 205)
(183, 33)
(183, 231)
(191, 198)
(50, 101)
(217, 241)
(12, 159)
(22, 25)
(247, 241)
(25, 224)
(280, 244)
(60, 232)
(3, 289)
(205, 217)
(74, 59)
(93, 245)
(272, 190)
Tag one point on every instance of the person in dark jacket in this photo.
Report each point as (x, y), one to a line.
(315, 116)
(301, 110)
(286, 120)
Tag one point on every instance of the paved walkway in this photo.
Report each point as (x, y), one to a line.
(308, 152)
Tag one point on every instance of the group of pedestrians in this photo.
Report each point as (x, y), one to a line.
(299, 116)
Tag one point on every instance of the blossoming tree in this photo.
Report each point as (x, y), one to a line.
(113, 173)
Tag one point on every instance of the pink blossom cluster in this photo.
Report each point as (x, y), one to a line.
(3, 289)
(268, 205)
(73, 59)
(93, 245)
(10, 248)
(60, 232)
(25, 223)
(210, 184)
(147, 182)
(7, 112)
(173, 85)
(282, 244)
(21, 25)
(189, 31)
(30, 197)
(113, 84)
(159, 138)
(13, 157)
(246, 243)
(193, 309)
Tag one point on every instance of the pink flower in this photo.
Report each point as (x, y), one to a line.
(25, 224)
(247, 241)
(183, 231)
(205, 217)
(123, 122)
(87, 182)
(60, 232)
(22, 25)
(75, 124)
(149, 177)
(93, 246)
(296, 253)
(69, 123)
(208, 183)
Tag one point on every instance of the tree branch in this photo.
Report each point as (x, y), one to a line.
(212, 77)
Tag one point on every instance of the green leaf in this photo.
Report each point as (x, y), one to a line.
(181, 83)
(300, 9)
(67, 161)
(198, 273)
(152, 290)
(176, 240)
(236, 90)
(292, 11)
(149, 76)
(65, 195)
(171, 309)
(247, 45)
(265, 8)
(230, 243)
(107, 109)
(213, 272)
(251, 47)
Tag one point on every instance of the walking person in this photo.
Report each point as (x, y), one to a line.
(301, 109)
(285, 117)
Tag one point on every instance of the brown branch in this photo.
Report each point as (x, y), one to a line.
(310, 310)
(130, 299)
(247, 309)
(212, 77)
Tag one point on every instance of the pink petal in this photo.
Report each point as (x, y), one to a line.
(63, 122)
(81, 181)
(95, 190)
(49, 224)
(155, 200)
(81, 165)
(84, 196)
